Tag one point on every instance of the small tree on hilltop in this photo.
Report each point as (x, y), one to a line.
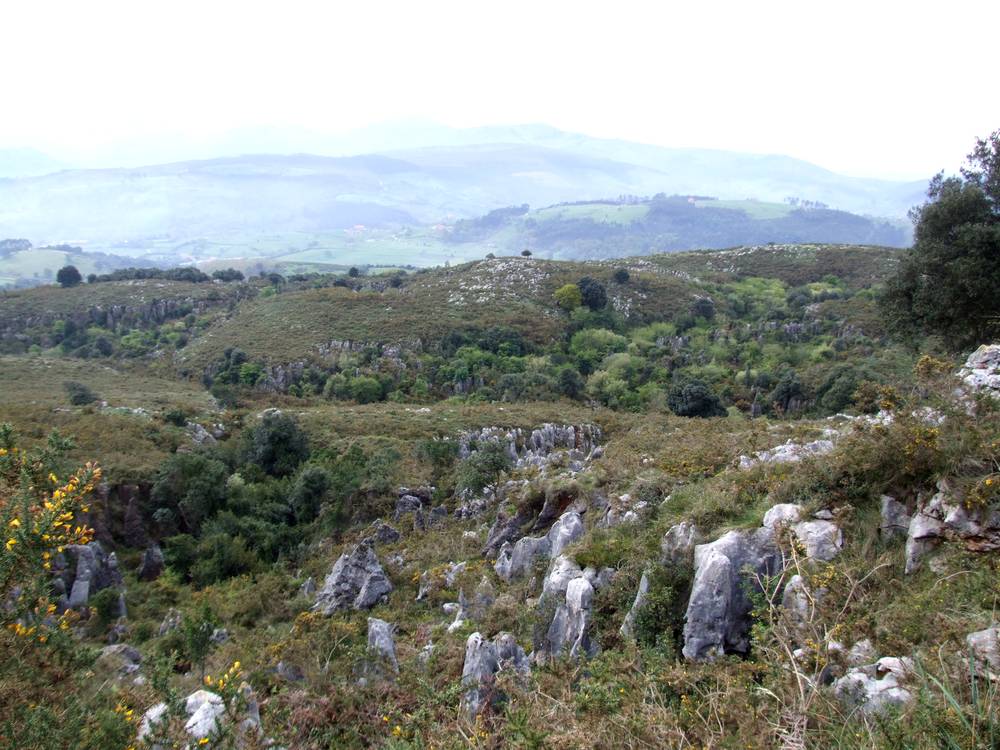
(526, 253)
(484, 468)
(947, 283)
(621, 276)
(68, 276)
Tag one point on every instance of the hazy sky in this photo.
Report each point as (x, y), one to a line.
(895, 89)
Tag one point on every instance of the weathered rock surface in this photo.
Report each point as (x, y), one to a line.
(717, 620)
(535, 448)
(627, 630)
(171, 621)
(569, 632)
(382, 646)
(946, 517)
(82, 571)
(981, 372)
(895, 518)
(790, 452)
(518, 559)
(357, 581)
(206, 718)
(152, 563)
(484, 659)
(677, 545)
(383, 533)
(984, 645)
(877, 687)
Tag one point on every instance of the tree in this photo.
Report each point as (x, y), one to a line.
(79, 394)
(526, 253)
(485, 467)
(188, 490)
(228, 274)
(275, 443)
(353, 272)
(947, 283)
(68, 276)
(694, 399)
(621, 276)
(592, 293)
(568, 297)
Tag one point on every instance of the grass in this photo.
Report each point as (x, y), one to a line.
(599, 212)
(753, 209)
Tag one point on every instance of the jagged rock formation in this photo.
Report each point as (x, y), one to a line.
(627, 630)
(895, 518)
(569, 632)
(152, 563)
(537, 447)
(381, 648)
(516, 560)
(206, 718)
(484, 659)
(946, 517)
(83, 570)
(357, 581)
(984, 645)
(677, 545)
(789, 452)
(981, 372)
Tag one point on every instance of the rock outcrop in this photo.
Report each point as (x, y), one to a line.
(790, 452)
(627, 630)
(677, 545)
(538, 447)
(357, 581)
(984, 645)
(981, 372)
(381, 647)
(895, 519)
(152, 563)
(83, 570)
(569, 632)
(717, 620)
(517, 559)
(484, 659)
(947, 517)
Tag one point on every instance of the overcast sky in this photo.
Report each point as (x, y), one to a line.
(875, 88)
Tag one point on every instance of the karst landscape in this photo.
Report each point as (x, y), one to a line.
(497, 437)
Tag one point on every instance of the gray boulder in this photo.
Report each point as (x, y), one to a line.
(171, 621)
(382, 646)
(895, 518)
(84, 570)
(569, 632)
(984, 645)
(627, 629)
(484, 659)
(875, 688)
(152, 563)
(383, 533)
(822, 539)
(926, 530)
(518, 559)
(717, 620)
(677, 545)
(357, 581)
(981, 372)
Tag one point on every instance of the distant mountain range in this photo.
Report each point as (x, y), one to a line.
(409, 176)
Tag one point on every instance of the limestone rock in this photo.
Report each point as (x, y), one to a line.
(205, 711)
(171, 621)
(84, 570)
(152, 563)
(382, 645)
(717, 620)
(383, 533)
(895, 518)
(926, 530)
(569, 632)
(822, 539)
(789, 452)
(985, 647)
(627, 629)
(484, 659)
(877, 687)
(357, 581)
(981, 372)
(677, 545)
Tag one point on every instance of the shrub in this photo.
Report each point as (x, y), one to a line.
(79, 394)
(621, 276)
(68, 276)
(308, 493)
(192, 487)
(592, 293)
(275, 443)
(694, 399)
(484, 468)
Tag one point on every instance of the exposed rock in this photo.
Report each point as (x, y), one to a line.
(152, 563)
(861, 653)
(622, 511)
(410, 505)
(561, 572)
(483, 661)
(308, 588)
(205, 711)
(206, 718)
(822, 539)
(895, 519)
(518, 559)
(84, 570)
(718, 611)
(537, 448)
(677, 545)
(219, 636)
(984, 645)
(171, 621)
(356, 581)
(383, 533)
(569, 632)
(461, 611)
(877, 687)
(981, 372)
(437, 514)
(289, 672)
(790, 452)
(381, 645)
(482, 600)
(506, 528)
(783, 513)
(797, 600)
(627, 629)
(198, 434)
(120, 658)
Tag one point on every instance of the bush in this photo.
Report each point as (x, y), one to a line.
(592, 293)
(484, 468)
(68, 276)
(694, 399)
(621, 276)
(79, 394)
(308, 493)
(192, 487)
(275, 443)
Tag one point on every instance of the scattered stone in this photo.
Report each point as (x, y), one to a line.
(981, 372)
(862, 652)
(308, 588)
(289, 672)
(357, 581)
(410, 505)
(790, 452)
(120, 658)
(383, 533)
(171, 621)
(83, 570)
(382, 646)
(518, 559)
(219, 636)
(205, 711)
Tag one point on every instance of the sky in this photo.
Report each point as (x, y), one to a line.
(877, 88)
